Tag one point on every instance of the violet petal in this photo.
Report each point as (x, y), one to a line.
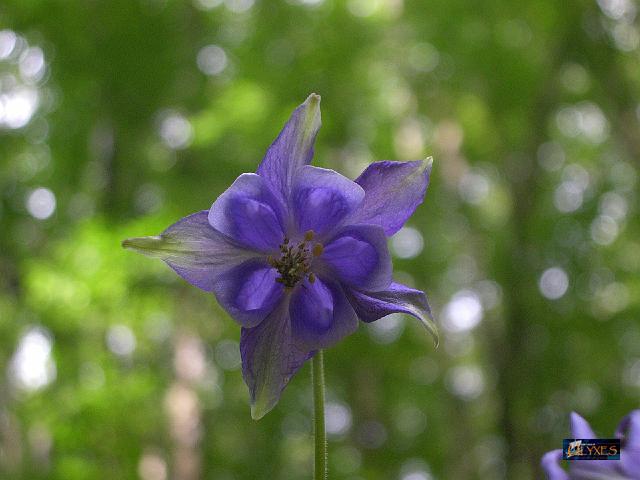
(194, 249)
(629, 428)
(321, 315)
(398, 298)
(270, 357)
(393, 190)
(249, 292)
(551, 465)
(250, 213)
(322, 198)
(359, 257)
(606, 469)
(293, 148)
(580, 428)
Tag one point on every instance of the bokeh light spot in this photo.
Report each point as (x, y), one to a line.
(17, 106)
(407, 243)
(604, 230)
(338, 419)
(553, 283)
(473, 187)
(227, 354)
(32, 367)
(463, 312)
(8, 40)
(372, 435)
(207, 4)
(212, 60)
(32, 64)
(239, 6)
(387, 329)
(466, 382)
(41, 203)
(363, 8)
(175, 130)
(152, 467)
(121, 340)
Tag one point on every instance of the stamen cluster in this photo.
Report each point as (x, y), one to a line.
(295, 260)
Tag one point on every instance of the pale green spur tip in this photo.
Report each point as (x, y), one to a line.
(262, 406)
(312, 119)
(154, 246)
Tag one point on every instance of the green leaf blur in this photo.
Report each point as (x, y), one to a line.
(119, 117)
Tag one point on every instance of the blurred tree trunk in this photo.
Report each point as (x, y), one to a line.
(517, 269)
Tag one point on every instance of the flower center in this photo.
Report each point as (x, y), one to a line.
(295, 260)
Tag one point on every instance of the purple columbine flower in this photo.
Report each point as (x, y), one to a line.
(627, 468)
(296, 253)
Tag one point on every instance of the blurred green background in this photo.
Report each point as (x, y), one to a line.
(119, 117)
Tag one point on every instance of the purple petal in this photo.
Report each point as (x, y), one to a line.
(629, 429)
(194, 249)
(322, 198)
(630, 462)
(321, 315)
(551, 465)
(580, 428)
(398, 298)
(358, 256)
(249, 292)
(250, 213)
(393, 190)
(311, 308)
(270, 357)
(293, 148)
(595, 469)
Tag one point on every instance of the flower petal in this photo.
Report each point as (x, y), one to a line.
(194, 249)
(551, 466)
(596, 469)
(359, 257)
(629, 428)
(322, 198)
(580, 428)
(270, 357)
(393, 190)
(321, 315)
(293, 148)
(398, 298)
(630, 463)
(250, 213)
(249, 292)
(311, 308)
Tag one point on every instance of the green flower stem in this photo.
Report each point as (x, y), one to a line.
(317, 378)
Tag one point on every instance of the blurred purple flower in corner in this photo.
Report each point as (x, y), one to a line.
(627, 468)
(296, 253)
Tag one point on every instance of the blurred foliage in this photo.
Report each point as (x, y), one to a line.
(119, 117)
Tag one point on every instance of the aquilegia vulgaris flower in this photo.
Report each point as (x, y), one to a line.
(627, 468)
(296, 253)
